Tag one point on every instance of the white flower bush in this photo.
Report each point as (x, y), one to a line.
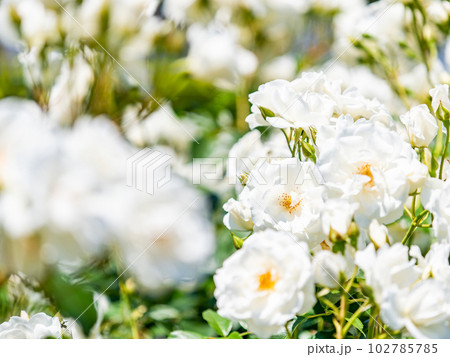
(350, 175)
(82, 206)
(305, 187)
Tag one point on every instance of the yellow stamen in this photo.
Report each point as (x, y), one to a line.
(365, 170)
(266, 282)
(286, 202)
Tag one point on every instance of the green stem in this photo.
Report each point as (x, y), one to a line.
(242, 106)
(413, 206)
(371, 327)
(444, 153)
(127, 310)
(355, 315)
(420, 40)
(416, 222)
(288, 143)
(331, 306)
(288, 333)
(342, 314)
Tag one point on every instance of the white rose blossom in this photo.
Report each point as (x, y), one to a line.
(287, 195)
(388, 267)
(165, 239)
(421, 125)
(290, 109)
(214, 53)
(333, 269)
(266, 283)
(311, 101)
(35, 327)
(366, 163)
(337, 214)
(77, 205)
(70, 90)
(422, 310)
(378, 233)
(435, 264)
(435, 197)
(440, 96)
(37, 23)
(238, 217)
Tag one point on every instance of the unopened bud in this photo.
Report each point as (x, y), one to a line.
(237, 242)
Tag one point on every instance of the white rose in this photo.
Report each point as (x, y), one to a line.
(366, 163)
(238, 217)
(38, 24)
(161, 127)
(439, 95)
(378, 233)
(266, 283)
(420, 124)
(291, 107)
(423, 310)
(70, 90)
(287, 195)
(435, 197)
(282, 67)
(332, 269)
(438, 11)
(38, 326)
(214, 53)
(166, 238)
(337, 214)
(387, 267)
(435, 264)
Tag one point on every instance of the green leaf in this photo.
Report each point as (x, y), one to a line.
(220, 324)
(185, 335)
(356, 324)
(339, 247)
(234, 336)
(72, 299)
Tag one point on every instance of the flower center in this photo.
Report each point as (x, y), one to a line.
(266, 281)
(291, 202)
(366, 170)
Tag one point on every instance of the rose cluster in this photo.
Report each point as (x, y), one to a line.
(344, 188)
